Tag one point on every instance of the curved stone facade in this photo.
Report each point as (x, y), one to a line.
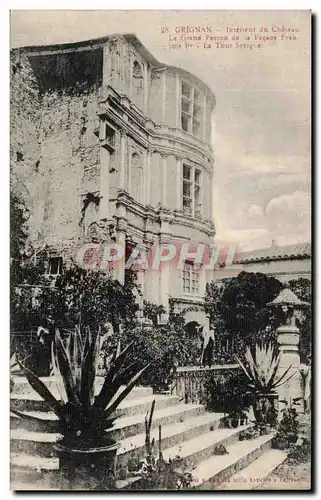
(121, 147)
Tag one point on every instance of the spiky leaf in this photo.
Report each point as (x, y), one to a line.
(41, 389)
(112, 407)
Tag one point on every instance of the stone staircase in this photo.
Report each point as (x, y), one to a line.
(187, 431)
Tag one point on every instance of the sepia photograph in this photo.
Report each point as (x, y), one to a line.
(160, 250)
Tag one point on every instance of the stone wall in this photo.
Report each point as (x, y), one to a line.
(70, 159)
(25, 119)
(54, 148)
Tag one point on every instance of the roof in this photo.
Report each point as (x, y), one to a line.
(287, 297)
(286, 252)
(96, 43)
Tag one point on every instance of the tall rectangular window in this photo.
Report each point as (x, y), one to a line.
(55, 265)
(191, 109)
(191, 192)
(190, 279)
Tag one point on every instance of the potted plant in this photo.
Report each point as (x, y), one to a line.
(262, 380)
(234, 419)
(87, 448)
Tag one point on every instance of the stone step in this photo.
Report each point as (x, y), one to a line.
(128, 407)
(172, 435)
(213, 471)
(49, 421)
(22, 386)
(135, 425)
(201, 447)
(123, 427)
(256, 473)
(44, 470)
(40, 443)
(193, 451)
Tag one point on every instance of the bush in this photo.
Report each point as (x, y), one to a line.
(227, 393)
(163, 346)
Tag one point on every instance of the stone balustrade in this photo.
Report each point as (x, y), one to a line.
(188, 381)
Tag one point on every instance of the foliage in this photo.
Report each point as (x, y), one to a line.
(25, 271)
(238, 310)
(299, 453)
(83, 417)
(91, 297)
(220, 450)
(165, 347)
(149, 444)
(77, 293)
(153, 311)
(160, 474)
(290, 418)
(302, 289)
(261, 370)
(157, 473)
(288, 427)
(226, 393)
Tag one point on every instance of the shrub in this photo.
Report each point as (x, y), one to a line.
(226, 393)
(165, 347)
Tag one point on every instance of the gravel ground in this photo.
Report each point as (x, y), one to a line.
(289, 477)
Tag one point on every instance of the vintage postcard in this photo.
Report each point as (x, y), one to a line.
(160, 244)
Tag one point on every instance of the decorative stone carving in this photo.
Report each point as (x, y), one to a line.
(102, 231)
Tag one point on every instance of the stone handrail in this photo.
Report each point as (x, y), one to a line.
(188, 382)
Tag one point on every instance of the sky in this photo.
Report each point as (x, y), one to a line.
(261, 123)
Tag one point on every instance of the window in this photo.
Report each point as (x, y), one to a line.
(191, 190)
(138, 85)
(191, 109)
(137, 177)
(190, 279)
(55, 265)
(110, 136)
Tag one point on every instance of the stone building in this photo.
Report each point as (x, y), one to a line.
(107, 144)
(286, 262)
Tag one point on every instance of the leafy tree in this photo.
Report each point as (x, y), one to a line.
(302, 289)
(238, 309)
(90, 297)
(153, 311)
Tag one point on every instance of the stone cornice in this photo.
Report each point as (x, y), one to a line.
(158, 138)
(163, 214)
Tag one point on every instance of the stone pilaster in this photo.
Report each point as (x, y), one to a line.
(122, 160)
(164, 178)
(104, 183)
(288, 342)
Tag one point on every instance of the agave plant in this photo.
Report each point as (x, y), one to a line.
(83, 417)
(261, 372)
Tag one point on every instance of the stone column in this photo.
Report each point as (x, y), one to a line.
(163, 97)
(122, 162)
(177, 102)
(164, 272)
(288, 341)
(210, 200)
(147, 175)
(104, 183)
(179, 183)
(119, 271)
(164, 179)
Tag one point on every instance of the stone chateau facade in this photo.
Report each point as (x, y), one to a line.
(108, 144)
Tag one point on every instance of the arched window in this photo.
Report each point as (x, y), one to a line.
(138, 85)
(136, 177)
